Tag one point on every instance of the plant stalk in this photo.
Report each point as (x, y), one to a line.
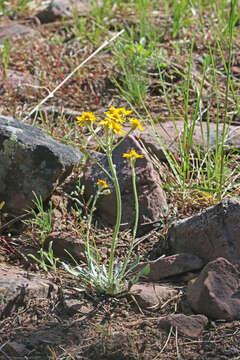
(119, 213)
(132, 163)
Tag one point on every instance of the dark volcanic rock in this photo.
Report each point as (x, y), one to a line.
(191, 326)
(152, 202)
(171, 266)
(63, 242)
(30, 161)
(211, 234)
(216, 291)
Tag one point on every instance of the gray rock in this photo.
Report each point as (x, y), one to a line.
(152, 296)
(12, 30)
(56, 9)
(215, 292)
(24, 84)
(173, 265)
(17, 288)
(191, 326)
(211, 234)
(73, 305)
(152, 202)
(30, 161)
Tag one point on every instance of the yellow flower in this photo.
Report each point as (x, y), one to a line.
(136, 124)
(132, 155)
(86, 118)
(103, 183)
(124, 112)
(112, 109)
(120, 111)
(117, 114)
(117, 128)
(107, 123)
(111, 124)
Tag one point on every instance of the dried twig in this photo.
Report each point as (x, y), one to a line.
(177, 348)
(175, 297)
(164, 346)
(139, 308)
(12, 221)
(141, 239)
(106, 42)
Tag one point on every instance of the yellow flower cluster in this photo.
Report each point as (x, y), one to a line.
(114, 120)
(112, 124)
(132, 155)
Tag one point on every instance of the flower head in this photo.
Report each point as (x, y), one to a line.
(124, 112)
(117, 128)
(135, 124)
(114, 116)
(111, 124)
(132, 155)
(2, 203)
(86, 118)
(118, 114)
(120, 111)
(102, 183)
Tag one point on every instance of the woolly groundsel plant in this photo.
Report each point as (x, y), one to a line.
(110, 280)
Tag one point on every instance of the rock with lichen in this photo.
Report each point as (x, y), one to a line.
(30, 162)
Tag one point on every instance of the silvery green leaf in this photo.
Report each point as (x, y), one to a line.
(104, 270)
(118, 269)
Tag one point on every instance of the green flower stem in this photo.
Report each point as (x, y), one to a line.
(132, 164)
(98, 163)
(95, 135)
(93, 208)
(123, 138)
(119, 212)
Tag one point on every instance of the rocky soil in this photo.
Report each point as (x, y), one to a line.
(188, 306)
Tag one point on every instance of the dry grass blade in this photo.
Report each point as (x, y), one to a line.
(106, 42)
(167, 341)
